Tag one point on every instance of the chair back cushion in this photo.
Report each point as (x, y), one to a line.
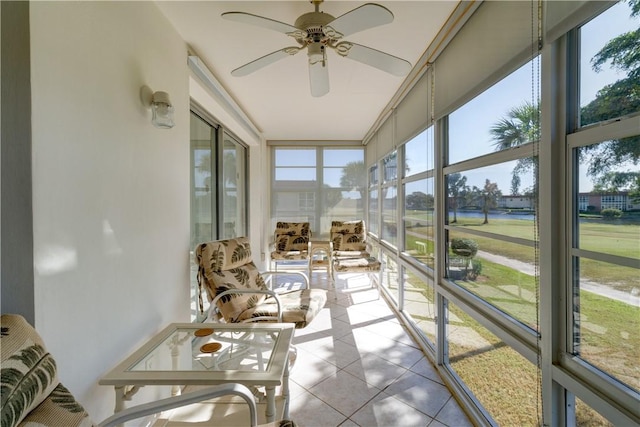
(29, 372)
(225, 265)
(292, 236)
(348, 235)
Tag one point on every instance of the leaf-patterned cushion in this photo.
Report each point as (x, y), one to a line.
(299, 307)
(348, 235)
(292, 236)
(59, 409)
(30, 380)
(225, 265)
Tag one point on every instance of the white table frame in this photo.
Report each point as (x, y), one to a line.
(127, 381)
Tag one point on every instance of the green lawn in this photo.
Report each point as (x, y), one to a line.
(609, 329)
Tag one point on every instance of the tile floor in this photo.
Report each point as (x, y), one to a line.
(356, 366)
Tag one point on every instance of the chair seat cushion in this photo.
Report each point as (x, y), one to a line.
(299, 307)
(351, 254)
(290, 255)
(355, 265)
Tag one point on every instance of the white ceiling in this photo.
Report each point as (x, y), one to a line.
(277, 98)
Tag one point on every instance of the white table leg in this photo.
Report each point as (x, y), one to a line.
(271, 404)
(120, 398)
(285, 390)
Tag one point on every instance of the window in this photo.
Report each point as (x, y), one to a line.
(609, 66)
(419, 198)
(203, 186)
(318, 185)
(218, 186)
(605, 258)
(491, 214)
(307, 201)
(374, 208)
(389, 199)
(233, 188)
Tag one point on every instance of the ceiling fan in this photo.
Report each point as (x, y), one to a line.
(316, 31)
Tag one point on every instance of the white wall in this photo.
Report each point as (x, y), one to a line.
(110, 191)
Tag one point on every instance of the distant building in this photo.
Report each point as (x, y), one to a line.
(516, 202)
(595, 202)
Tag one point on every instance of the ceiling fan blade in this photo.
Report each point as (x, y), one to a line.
(375, 58)
(264, 61)
(319, 78)
(362, 18)
(259, 21)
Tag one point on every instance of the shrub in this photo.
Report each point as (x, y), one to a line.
(476, 269)
(611, 213)
(464, 247)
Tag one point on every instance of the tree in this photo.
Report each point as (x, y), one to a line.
(419, 201)
(354, 177)
(613, 182)
(521, 126)
(488, 197)
(515, 185)
(457, 184)
(615, 100)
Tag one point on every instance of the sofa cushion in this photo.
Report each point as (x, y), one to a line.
(59, 409)
(29, 372)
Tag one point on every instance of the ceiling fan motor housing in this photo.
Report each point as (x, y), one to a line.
(313, 23)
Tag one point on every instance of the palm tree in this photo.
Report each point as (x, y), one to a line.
(520, 126)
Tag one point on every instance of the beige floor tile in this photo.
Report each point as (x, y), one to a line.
(375, 370)
(387, 411)
(344, 392)
(356, 367)
(420, 393)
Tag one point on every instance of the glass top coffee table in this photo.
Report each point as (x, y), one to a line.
(208, 354)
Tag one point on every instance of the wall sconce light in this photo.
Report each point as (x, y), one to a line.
(161, 108)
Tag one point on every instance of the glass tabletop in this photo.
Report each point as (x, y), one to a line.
(211, 349)
(205, 354)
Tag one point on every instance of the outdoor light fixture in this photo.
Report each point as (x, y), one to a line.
(161, 108)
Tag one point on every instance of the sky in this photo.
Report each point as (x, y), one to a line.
(472, 121)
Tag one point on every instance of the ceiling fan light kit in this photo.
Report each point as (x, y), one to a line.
(316, 31)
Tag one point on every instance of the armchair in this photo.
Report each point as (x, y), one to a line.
(291, 243)
(238, 292)
(33, 395)
(348, 239)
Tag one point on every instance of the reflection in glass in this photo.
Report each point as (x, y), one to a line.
(607, 322)
(374, 213)
(418, 220)
(500, 378)
(609, 66)
(420, 303)
(203, 200)
(390, 214)
(390, 275)
(233, 189)
(501, 273)
(390, 167)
